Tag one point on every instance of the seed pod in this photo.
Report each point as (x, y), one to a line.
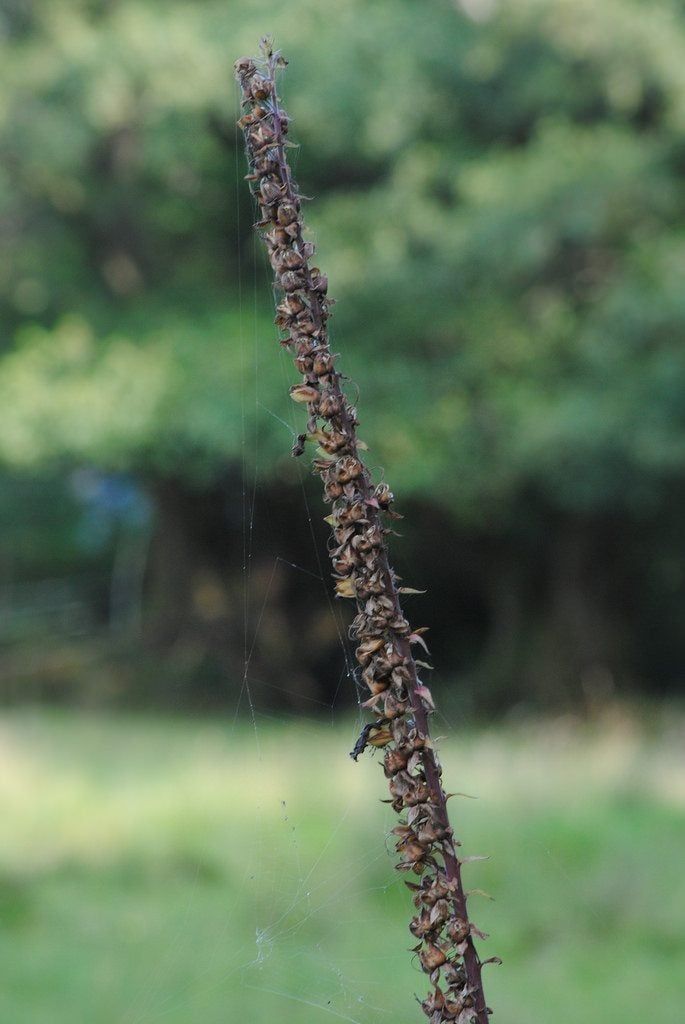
(306, 346)
(455, 975)
(261, 136)
(393, 708)
(437, 889)
(276, 236)
(291, 306)
(323, 363)
(384, 496)
(380, 738)
(411, 851)
(368, 648)
(260, 87)
(270, 190)
(458, 929)
(394, 761)
(304, 393)
(420, 925)
(453, 1008)
(433, 1003)
(334, 490)
(319, 283)
(290, 281)
(352, 513)
(348, 468)
(331, 405)
(418, 795)
(345, 564)
(439, 913)
(431, 956)
(345, 588)
(331, 441)
(305, 325)
(292, 259)
(244, 66)
(265, 165)
(430, 833)
(287, 213)
(304, 364)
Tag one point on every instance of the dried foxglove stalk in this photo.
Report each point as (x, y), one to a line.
(399, 701)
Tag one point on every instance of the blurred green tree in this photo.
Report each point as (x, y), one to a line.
(499, 209)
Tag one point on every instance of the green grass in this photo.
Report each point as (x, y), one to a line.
(194, 872)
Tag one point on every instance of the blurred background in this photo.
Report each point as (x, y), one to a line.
(498, 201)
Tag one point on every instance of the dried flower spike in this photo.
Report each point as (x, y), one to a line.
(399, 700)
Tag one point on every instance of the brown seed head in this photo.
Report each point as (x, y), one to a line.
(431, 956)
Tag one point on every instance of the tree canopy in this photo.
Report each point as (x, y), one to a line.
(497, 204)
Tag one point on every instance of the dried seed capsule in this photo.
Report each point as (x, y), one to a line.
(394, 761)
(304, 393)
(458, 929)
(384, 496)
(439, 913)
(433, 1003)
(431, 833)
(265, 165)
(304, 364)
(305, 325)
(348, 468)
(380, 737)
(411, 851)
(319, 282)
(290, 281)
(270, 191)
(353, 513)
(292, 259)
(455, 975)
(334, 490)
(367, 649)
(323, 363)
(419, 794)
(287, 213)
(331, 405)
(345, 588)
(261, 136)
(276, 236)
(344, 565)
(392, 708)
(431, 957)
(291, 305)
(420, 925)
(454, 1008)
(260, 87)
(244, 66)
(331, 441)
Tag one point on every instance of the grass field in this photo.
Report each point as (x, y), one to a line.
(198, 872)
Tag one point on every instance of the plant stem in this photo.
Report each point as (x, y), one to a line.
(399, 700)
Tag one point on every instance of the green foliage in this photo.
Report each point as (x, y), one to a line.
(497, 204)
(169, 870)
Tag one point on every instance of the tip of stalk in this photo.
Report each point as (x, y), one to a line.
(266, 47)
